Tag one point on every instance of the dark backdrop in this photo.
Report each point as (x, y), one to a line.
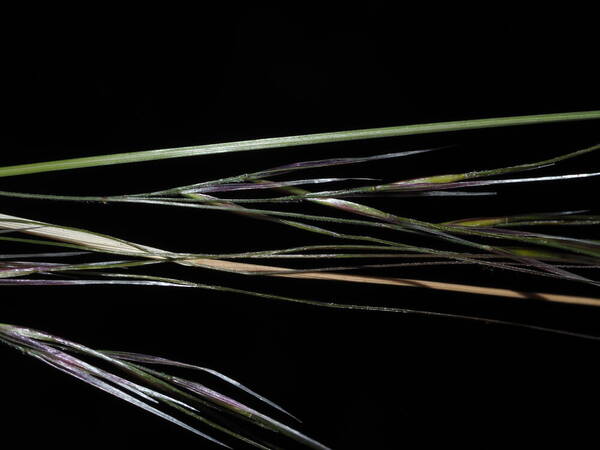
(99, 82)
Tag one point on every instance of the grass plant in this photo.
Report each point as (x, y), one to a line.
(379, 240)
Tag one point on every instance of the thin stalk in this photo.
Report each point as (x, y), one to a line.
(293, 141)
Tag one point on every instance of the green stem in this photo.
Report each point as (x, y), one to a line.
(291, 141)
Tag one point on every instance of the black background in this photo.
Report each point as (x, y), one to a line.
(94, 82)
